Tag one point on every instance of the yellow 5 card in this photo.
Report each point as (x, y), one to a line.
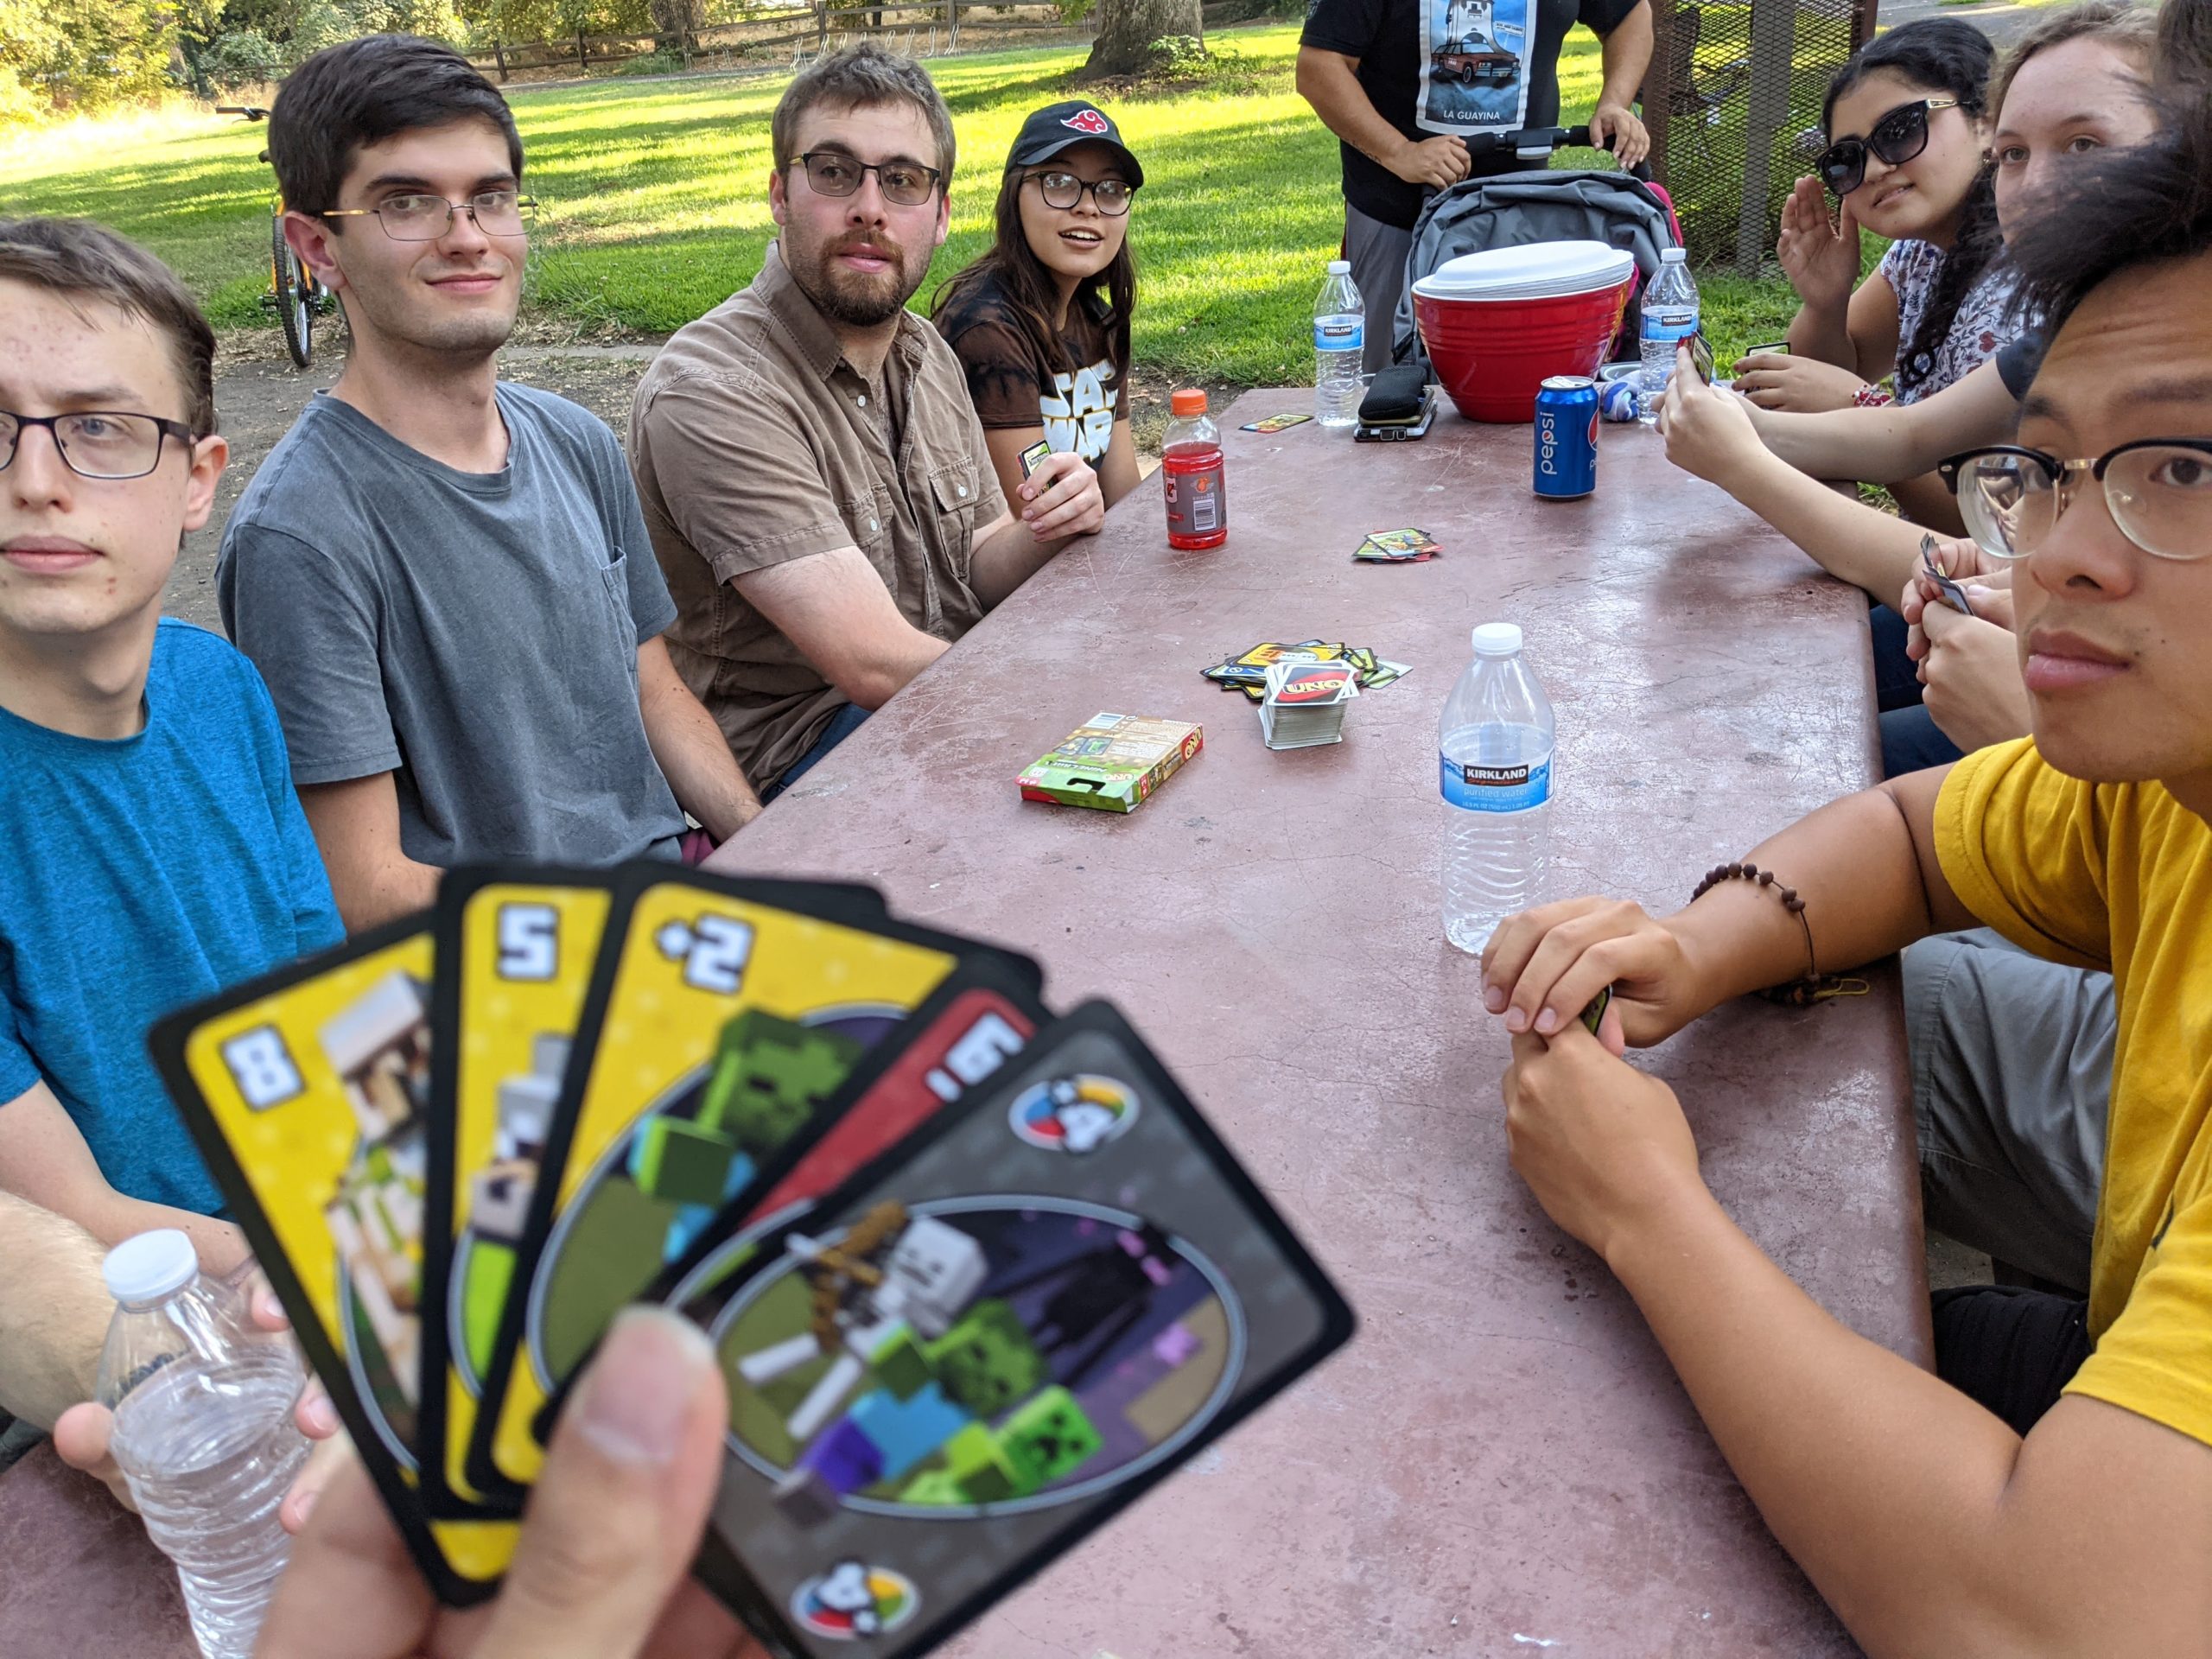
(516, 952)
(307, 1091)
(723, 1017)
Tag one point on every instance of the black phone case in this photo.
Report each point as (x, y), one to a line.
(1394, 394)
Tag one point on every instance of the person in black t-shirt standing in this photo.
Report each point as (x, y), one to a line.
(1040, 321)
(1404, 83)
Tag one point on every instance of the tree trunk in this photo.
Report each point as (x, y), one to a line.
(1127, 29)
(681, 18)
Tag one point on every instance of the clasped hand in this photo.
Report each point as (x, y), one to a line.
(1600, 1144)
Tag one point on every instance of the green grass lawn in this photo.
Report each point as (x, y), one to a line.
(656, 201)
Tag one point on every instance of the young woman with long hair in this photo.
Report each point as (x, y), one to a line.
(1907, 122)
(1041, 320)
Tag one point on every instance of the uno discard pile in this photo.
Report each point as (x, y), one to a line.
(977, 1275)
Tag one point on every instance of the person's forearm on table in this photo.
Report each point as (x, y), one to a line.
(1888, 1487)
(1870, 885)
(1845, 538)
(692, 753)
(1897, 440)
(1007, 555)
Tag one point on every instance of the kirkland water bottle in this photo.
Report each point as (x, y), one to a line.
(1495, 740)
(203, 1433)
(1670, 314)
(1339, 338)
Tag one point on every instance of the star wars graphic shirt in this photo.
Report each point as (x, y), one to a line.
(1011, 385)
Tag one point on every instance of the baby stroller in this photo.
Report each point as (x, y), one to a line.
(1624, 210)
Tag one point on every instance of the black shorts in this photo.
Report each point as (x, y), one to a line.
(2011, 1349)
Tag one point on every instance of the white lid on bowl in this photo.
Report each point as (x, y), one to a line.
(1538, 270)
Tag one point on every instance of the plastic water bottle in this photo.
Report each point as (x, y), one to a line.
(1670, 315)
(1496, 744)
(203, 1433)
(1339, 338)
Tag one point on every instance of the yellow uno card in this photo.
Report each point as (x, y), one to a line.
(723, 1017)
(516, 952)
(308, 1090)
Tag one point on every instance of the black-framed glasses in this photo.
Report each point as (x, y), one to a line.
(1899, 136)
(2158, 490)
(102, 443)
(416, 218)
(833, 173)
(1064, 190)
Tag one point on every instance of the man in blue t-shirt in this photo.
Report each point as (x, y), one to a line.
(155, 852)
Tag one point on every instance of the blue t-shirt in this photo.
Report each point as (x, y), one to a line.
(141, 875)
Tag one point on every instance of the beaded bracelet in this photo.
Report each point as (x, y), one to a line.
(1871, 398)
(1815, 986)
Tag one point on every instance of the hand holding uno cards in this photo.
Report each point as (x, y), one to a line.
(962, 1263)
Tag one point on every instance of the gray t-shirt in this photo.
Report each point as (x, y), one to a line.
(476, 634)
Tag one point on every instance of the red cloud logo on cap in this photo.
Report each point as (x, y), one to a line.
(1088, 121)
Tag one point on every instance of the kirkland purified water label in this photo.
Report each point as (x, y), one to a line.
(1338, 334)
(1496, 789)
(1669, 321)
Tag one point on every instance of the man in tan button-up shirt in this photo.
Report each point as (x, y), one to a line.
(814, 479)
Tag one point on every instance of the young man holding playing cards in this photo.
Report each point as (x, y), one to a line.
(2049, 1491)
(155, 851)
(443, 576)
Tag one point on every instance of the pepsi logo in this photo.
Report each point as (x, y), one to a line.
(1088, 121)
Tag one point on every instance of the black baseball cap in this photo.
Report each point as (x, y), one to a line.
(1059, 127)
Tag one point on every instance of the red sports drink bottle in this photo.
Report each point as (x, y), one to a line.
(1198, 498)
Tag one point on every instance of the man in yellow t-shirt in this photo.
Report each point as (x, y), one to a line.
(2050, 1490)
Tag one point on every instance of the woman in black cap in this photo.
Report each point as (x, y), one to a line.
(1041, 321)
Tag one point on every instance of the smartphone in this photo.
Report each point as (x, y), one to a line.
(1397, 431)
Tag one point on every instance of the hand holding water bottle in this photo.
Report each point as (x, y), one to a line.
(84, 1435)
(1670, 318)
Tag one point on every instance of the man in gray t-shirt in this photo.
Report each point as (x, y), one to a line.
(445, 579)
(473, 634)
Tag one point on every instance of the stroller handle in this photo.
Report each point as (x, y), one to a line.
(1536, 143)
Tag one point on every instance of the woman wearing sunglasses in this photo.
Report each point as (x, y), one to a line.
(1906, 120)
(1041, 321)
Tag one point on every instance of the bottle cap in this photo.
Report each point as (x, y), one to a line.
(151, 1266)
(1188, 402)
(1497, 639)
(1339, 267)
(1673, 256)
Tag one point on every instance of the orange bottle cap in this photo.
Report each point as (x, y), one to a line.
(1188, 402)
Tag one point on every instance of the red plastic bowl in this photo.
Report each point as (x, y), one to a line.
(1493, 356)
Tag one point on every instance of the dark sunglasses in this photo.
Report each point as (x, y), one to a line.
(1896, 138)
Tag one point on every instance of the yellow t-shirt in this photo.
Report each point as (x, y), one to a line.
(2118, 876)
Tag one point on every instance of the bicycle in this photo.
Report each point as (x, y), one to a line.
(294, 294)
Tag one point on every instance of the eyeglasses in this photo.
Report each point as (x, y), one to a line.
(1896, 138)
(425, 219)
(102, 443)
(1064, 190)
(2159, 491)
(833, 173)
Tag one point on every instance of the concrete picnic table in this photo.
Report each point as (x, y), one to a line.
(1502, 1460)
(79, 1578)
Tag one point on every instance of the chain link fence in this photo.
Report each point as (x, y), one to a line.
(1733, 100)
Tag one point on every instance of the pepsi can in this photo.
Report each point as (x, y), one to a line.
(1566, 437)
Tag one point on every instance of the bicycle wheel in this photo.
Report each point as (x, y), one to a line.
(294, 295)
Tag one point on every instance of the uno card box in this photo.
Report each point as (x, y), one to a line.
(1113, 762)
